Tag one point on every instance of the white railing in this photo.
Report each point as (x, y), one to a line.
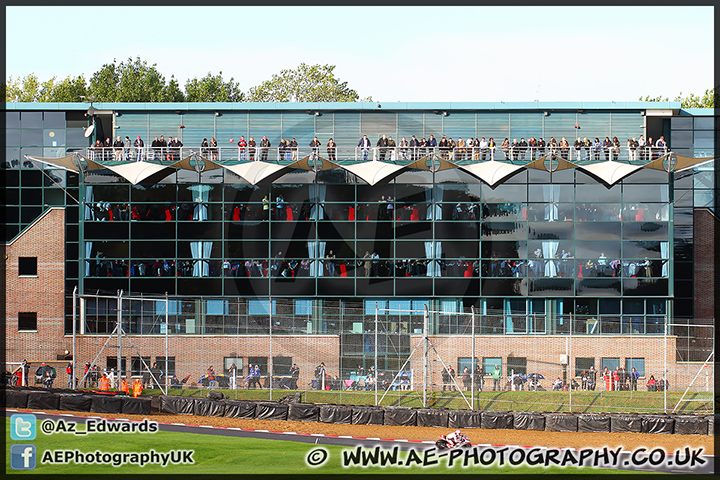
(402, 155)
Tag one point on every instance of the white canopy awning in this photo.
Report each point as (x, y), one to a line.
(492, 172)
(136, 172)
(256, 172)
(374, 171)
(609, 171)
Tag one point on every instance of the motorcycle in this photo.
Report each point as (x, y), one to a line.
(444, 444)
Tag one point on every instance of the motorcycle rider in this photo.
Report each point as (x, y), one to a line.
(455, 438)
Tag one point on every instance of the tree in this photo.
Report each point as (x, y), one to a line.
(212, 89)
(68, 90)
(308, 83)
(708, 100)
(22, 89)
(131, 81)
(172, 92)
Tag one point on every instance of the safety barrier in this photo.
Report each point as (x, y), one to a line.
(359, 414)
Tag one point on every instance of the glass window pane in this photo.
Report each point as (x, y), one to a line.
(637, 363)
(681, 123)
(681, 139)
(12, 119)
(54, 119)
(31, 119)
(12, 137)
(704, 123)
(54, 138)
(32, 137)
(704, 139)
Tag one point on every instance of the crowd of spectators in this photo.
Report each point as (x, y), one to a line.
(387, 149)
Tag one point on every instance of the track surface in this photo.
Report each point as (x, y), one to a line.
(407, 437)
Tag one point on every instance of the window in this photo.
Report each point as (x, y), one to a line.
(136, 365)
(303, 307)
(27, 321)
(227, 363)
(260, 361)
(27, 266)
(170, 365)
(463, 362)
(111, 362)
(261, 307)
(583, 364)
(282, 365)
(517, 365)
(489, 363)
(638, 363)
(610, 362)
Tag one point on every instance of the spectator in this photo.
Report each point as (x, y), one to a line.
(242, 145)
(204, 147)
(607, 377)
(496, 378)
(391, 148)
(315, 146)
(251, 148)
(467, 381)
(213, 149)
(294, 149)
(634, 376)
(264, 147)
(320, 376)
(651, 385)
(140, 149)
(294, 376)
(211, 377)
(330, 263)
(592, 378)
(382, 144)
(364, 145)
(233, 376)
(118, 146)
(505, 147)
(332, 150)
(616, 379)
(137, 388)
(616, 148)
(69, 371)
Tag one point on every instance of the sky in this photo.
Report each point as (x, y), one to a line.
(405, 54)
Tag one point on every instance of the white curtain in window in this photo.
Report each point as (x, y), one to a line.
(88, 254)
(433, 251)
(89, 200)
(317, 200)
(201, 194)
(551, 195)
(664, 252)
(434, 198)
(316, 251)
(549, 250)
(509, 327)
(201, 253)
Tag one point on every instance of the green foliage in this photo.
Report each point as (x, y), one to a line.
(212, 89)
(172, 92)
(136, 81)
(131, 81)
(708, 100)
(307, 83)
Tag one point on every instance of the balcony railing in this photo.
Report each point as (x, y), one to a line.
(398, 155)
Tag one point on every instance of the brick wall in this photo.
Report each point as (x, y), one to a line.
(44, 293)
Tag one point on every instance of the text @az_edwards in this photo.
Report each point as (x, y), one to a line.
(98, 425)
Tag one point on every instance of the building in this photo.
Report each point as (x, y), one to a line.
(611, 247)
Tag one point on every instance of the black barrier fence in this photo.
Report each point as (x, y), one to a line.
(23, 398)
(432, 418)
(303, 412)
(593, 422)
(464, 419)
(561, 422)
(528, 421)
(335, 414)
(239, 409)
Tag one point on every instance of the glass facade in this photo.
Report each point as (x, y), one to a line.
(527, 254)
